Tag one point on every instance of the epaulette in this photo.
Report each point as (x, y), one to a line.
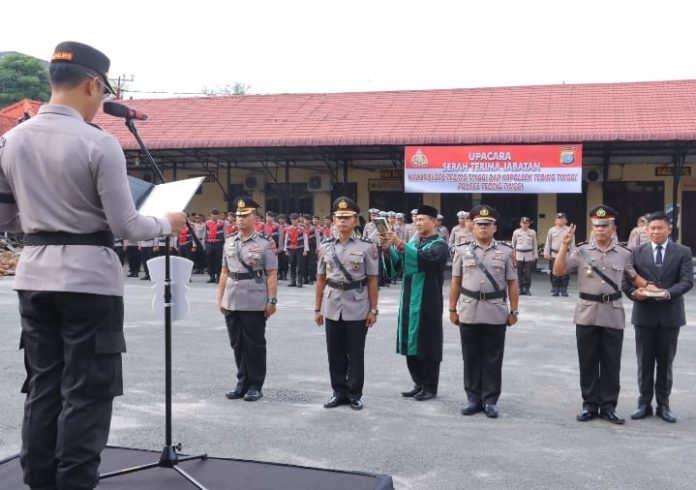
(94, 126)
(366, 240)
(581, 244)
(623, 246)
(507, 244)
(327, 239)
(264, 236)
(468, 242)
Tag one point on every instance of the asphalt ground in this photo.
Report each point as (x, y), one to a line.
(536, 442)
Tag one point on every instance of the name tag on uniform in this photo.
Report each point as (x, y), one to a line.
(359, 252)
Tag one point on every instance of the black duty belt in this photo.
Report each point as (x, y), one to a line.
(217, 240)
(481, 296)
(554, 251)
(525, 250)
(346, 286)
(98, 238)
(601, 298)
(239, 276)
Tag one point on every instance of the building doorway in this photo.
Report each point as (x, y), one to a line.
(511, 207)
(632, 200)
(289, 198)
(688, 215)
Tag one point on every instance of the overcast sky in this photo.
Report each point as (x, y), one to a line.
(358, 45)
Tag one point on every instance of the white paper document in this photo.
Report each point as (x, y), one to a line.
(170, 197)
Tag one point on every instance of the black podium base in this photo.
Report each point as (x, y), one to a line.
(214, 473)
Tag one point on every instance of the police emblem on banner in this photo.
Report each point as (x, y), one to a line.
(419, 159)
(568, 155)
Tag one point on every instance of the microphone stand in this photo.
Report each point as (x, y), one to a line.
(169, 457)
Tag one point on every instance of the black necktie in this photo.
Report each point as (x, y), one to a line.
(658, 256)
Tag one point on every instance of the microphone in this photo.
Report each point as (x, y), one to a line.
(119, 110)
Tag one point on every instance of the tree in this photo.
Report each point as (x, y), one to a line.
(22, 77)
(237, 88)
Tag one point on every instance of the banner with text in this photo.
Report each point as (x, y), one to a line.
(511, 169)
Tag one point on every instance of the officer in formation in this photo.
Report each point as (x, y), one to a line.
(462, 232)
(524, 242)
(484, 278)
(370, 230)
(639, 235)
(247, 297)
(296, 247)
(346, 301)
(410, 229)
(599, 315)
(559, 284)
(53, 168)
(214, 243)
(442, 229)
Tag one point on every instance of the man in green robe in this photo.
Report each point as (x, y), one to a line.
(419, 334)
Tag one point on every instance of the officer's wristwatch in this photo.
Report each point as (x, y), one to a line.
(374, 311)
(514, 312)
(272, 301)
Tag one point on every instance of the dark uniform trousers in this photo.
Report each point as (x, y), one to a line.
(310, 265)
(655, 345)
(246, 330)
(558, 282)
(424, 373)
(483, 346)
(524, 274)
(121, 254)
(146, 253)
(282, 266)
(296, 262)
(599, 353)
(345, 343)
(72, 349)
(133, 256)
(213, 257)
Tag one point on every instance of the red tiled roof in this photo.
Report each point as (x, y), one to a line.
(640, 111)
(10, 115)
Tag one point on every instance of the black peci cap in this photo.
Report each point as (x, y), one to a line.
(86, 57)
(427, 210)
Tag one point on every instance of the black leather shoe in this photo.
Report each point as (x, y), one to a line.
(471, 408)
(334, 401)
(410, 394)
(665, 414)
(292, 285)
(586, 415)
(145, 278)
(613, 417)
(253, 395)
(642, 411)
(423, 395)
(490, 410)
(235, 395)
(211, 280)
(356, 404)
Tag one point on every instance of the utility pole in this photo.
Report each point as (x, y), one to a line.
(119, 85)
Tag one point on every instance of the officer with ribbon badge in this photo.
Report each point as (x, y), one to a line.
(601, 264)
(346, 300)
(247, 298)
(484, 277)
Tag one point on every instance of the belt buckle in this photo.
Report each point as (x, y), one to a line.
(482, 296)
(605, 298)
(340, 286)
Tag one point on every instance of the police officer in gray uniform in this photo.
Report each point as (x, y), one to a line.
(346, 299)
(524, 241)
(599, 315)
(247, 297)
(483, 278)
(67, 181)
(554, 237)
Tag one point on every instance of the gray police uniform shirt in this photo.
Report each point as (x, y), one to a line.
(525, 244)
(360, 258)
(497, 259)
(459, 235)
(554, 238)
(616, 262)
(370, 231)
(69, 176)
(259, 253)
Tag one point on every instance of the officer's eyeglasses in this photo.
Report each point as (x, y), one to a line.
(106, 96)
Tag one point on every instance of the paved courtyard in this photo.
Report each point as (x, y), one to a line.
(536, 442)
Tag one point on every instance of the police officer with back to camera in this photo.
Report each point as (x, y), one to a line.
(602, 264)
(484, 277)
(247, 298)
(524, 241)
(66, 179)
(346, 300)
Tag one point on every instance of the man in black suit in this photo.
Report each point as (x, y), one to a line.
(658, 313)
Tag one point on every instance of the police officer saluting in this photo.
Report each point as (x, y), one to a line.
(346, 299)
(67, 181)
(483, 278)
(247, 297)
(599, 314)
